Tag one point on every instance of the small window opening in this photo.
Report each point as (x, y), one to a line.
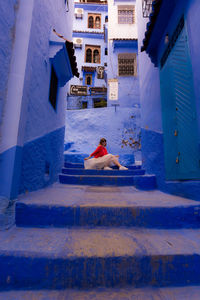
(88, 79)
(89, 55)
(90, 22)
(53, 88)
(96, 56)
(97, 22)
(106, 51)
(106, 19)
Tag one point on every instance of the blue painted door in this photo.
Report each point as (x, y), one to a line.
(179, 113)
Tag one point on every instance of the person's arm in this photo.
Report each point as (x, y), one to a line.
(93, 153)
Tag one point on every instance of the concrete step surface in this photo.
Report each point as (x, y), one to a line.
(146, 182)
(68, 258)
(114, 172)
(175, 293)
(67, 205)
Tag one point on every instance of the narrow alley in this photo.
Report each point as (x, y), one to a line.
(99, 150)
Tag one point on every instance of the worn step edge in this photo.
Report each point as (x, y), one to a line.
(40, 215)
(84, 259)
(147, 293)
(96, 180)
(144, 182)
(114, 172)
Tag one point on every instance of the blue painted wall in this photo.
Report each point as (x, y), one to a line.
(8, 10)
(36, 155)
(44, 134)
(81, 30)
(152, 132)
(84, 128)
(128, 87)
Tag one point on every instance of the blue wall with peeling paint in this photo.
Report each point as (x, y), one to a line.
(151, 114)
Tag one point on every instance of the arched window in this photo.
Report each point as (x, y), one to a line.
(88, 79)
(89, 55)
(92, 54)
(97, 22)
(96, 57)
(90, 22)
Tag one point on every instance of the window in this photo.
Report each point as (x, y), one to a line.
(96, 57)
(91, 22)
(88, 79)
(88, 55)
(106, 19)
(92, 54)
(94, 21)
(53, 88)
(126, 14)
(97, 22)
(127, 64)
(106, 51)
(146, 8)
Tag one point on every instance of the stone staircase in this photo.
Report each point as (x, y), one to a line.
(74, 173)
(101, 242)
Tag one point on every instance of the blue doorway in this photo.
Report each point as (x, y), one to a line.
(179, 110)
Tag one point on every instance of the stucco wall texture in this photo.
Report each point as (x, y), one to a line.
(42, 154)
(41, 117)
(84, 128)
(8, 11)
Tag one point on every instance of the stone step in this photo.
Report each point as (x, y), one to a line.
(111, 215)
(169, 293)
(81, 166)
(146, 182)
(114, 172)
(82, 258)
(68, 205)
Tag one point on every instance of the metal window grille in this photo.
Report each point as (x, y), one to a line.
(127, 64)
(126, 14)
(146, 8)
(89, 55)
(90, 22)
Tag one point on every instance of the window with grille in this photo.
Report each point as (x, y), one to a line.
(92, 54)
(94, 21)
(146, 8)
(90, 22)
(127, 64)
(126, 14)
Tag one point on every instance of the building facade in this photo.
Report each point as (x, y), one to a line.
(90, 42)
(170, 96)
(123, 79)
(36, 63)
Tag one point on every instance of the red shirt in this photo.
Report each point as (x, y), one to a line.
(99, 152)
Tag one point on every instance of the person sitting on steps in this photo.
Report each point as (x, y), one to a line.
(102, 160)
